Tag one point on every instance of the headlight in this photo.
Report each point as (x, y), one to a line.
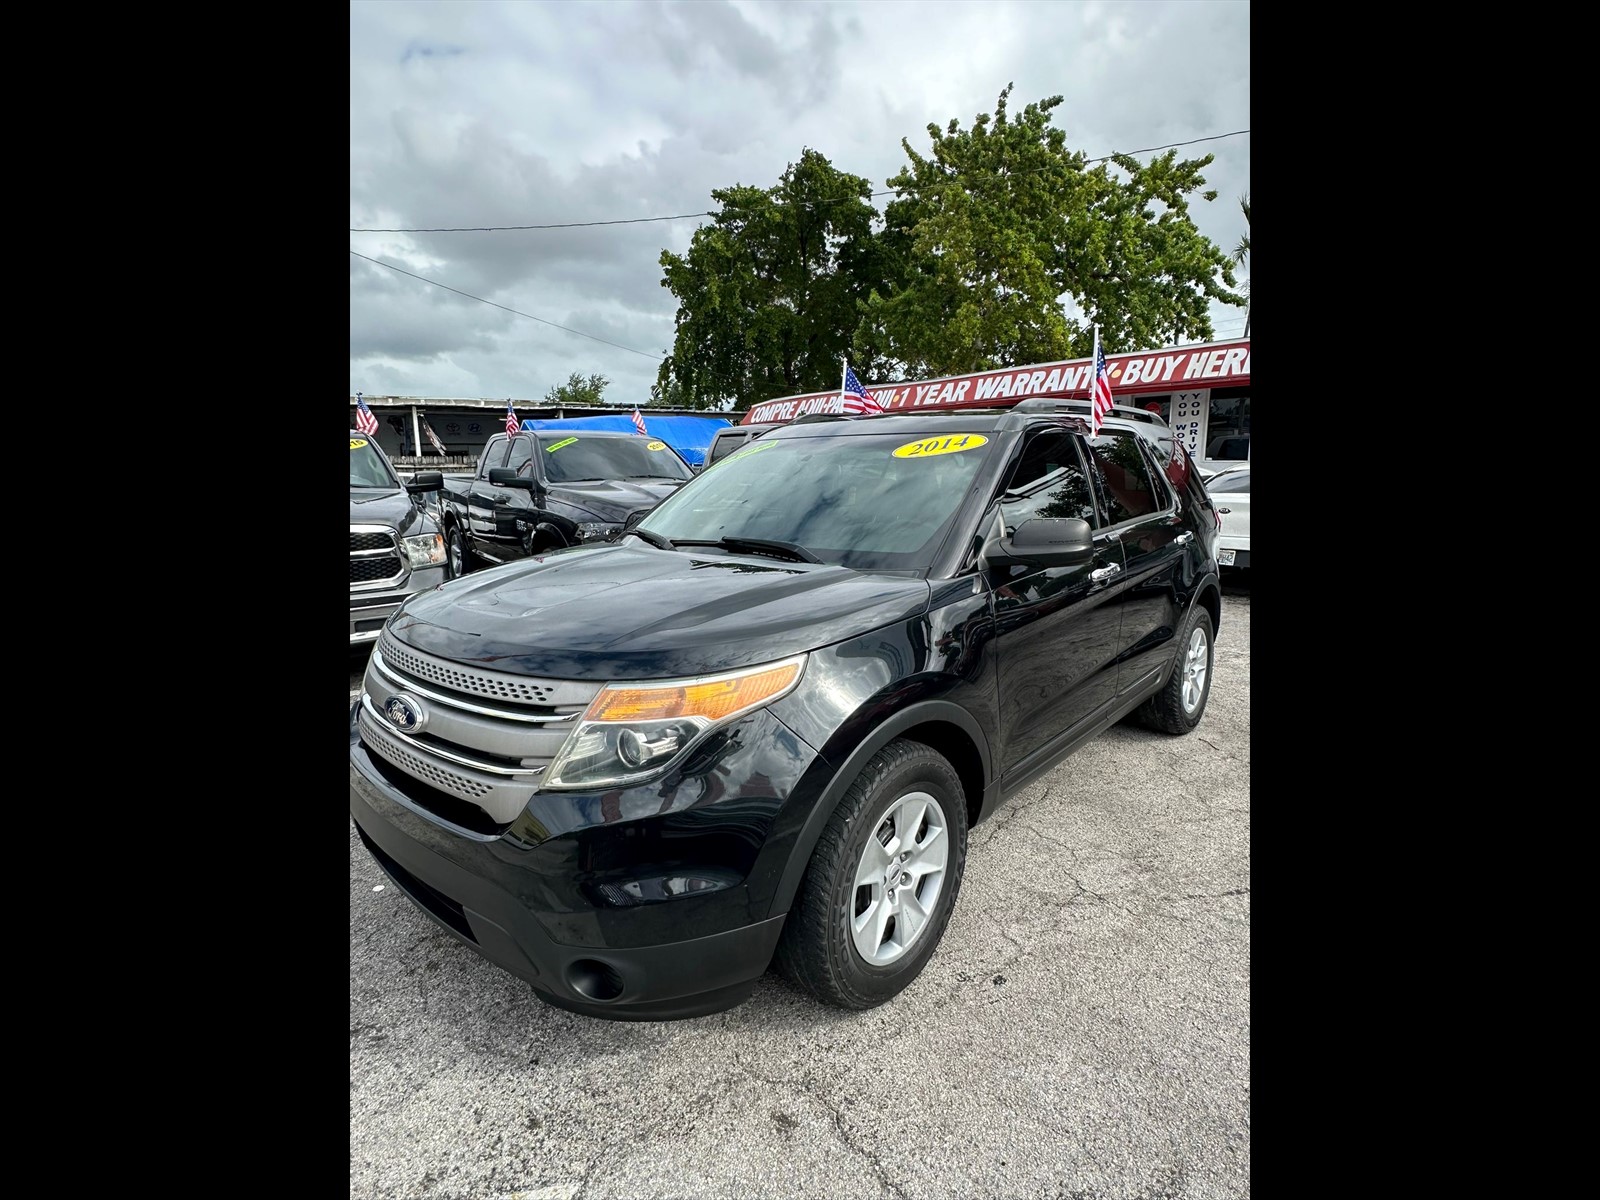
(597, 531)
(424, 550)
(632, 731)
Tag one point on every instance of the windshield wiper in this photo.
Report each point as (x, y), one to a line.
(758, 545)
(654, 538)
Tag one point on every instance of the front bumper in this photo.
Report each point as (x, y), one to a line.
(547, 898)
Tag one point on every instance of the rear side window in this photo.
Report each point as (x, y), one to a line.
(1126, 483)
(1186, 479)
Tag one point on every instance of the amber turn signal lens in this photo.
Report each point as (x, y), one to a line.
(713, 700)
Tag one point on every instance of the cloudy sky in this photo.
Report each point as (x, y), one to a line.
(485, 114)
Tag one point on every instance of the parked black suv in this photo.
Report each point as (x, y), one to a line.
(758, 726)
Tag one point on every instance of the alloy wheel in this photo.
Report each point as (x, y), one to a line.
(899, 878)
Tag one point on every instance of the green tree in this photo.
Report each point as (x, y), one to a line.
(767, 292)
(1001, 223)
(578, 390)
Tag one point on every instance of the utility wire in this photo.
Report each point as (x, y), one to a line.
(698, 215)
(542, 321)
(492, 304)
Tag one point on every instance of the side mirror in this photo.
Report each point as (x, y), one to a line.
(508, 478)
(426, 481)
(1042, 542)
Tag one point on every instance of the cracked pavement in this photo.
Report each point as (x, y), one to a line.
(1083, 1031)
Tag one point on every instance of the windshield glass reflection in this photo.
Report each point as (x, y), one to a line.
(851, 501)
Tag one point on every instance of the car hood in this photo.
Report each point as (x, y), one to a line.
(630, 611)
(614, 500)
(393, 507)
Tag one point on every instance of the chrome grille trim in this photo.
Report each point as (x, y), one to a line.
(498, 798)
(426, 752)
(490, 685)
(367, 534)
(377, 665)
(390, 748)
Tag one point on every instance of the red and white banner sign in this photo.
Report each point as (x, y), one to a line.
(1211, 364)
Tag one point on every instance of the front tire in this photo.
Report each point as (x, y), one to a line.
(882, 881)
(460, 558)
(1179, 705)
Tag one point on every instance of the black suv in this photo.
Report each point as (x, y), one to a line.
(757, 728)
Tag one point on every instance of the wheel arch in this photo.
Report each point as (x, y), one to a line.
(1209, 597)
(941, 725)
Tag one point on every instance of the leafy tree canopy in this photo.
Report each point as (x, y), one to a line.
(995, 237)
(578, 390)
(767, 292)
(1001, 224)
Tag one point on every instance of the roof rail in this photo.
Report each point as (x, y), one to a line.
(1065, 404)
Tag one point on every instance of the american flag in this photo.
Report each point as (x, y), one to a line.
(1100, 393)
(433, 437)
(365, 421)
(856, 399)
(512, 424)
(638, 422)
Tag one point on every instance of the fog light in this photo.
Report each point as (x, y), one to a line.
(634, 751)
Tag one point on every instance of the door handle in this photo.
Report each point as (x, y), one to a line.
(1104, 573)
(1183, 539)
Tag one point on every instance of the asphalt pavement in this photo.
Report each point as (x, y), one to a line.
(1083, 1031)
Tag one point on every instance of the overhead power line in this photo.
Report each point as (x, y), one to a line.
(514, 312)
(700, 215)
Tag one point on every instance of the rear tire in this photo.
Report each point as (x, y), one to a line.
(1181, 702)
(859, 932)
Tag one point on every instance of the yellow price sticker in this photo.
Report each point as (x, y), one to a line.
(357, 443)
(655, 445)
(949, 443)
(558, 445)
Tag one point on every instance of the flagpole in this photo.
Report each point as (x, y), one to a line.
(1094, 385)
(844, 369)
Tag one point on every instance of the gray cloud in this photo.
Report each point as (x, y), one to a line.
(501, 114)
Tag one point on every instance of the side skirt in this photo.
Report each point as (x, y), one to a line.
(1049, 756)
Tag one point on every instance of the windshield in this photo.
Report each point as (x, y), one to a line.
(368, 468)
(576, 458)
(871, 502)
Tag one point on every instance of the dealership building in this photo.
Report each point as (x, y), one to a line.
(1202, 391)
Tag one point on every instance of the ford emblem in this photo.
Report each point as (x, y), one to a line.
(406, 713)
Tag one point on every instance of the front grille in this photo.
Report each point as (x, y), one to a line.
(486, 737)
(373, 570)
(380, 742)
(475, 681)
(374, 556)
